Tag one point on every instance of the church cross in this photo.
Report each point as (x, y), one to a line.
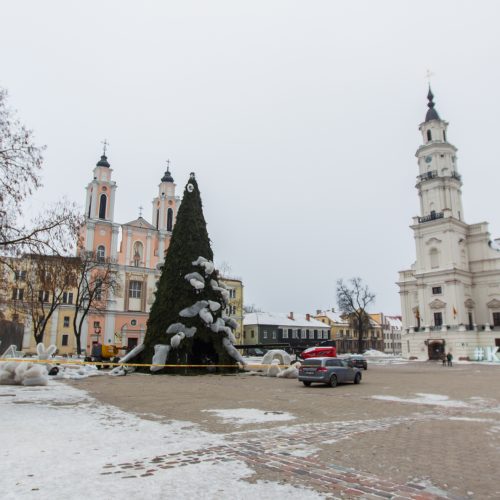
(168, 164)
(140, 211)
(429, 74)
(105, 144)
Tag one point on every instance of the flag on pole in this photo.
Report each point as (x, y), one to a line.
(454, 312)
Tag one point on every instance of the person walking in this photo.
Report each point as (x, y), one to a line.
(443, 358)
(449, 357)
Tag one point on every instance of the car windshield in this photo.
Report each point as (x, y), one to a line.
(312, 362)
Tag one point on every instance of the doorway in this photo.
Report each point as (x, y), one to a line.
(436, 349)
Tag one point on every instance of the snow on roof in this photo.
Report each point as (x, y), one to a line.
(394, 321)
(332, 316)
(282, 319)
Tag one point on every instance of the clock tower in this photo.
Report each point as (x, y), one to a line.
(450, 298)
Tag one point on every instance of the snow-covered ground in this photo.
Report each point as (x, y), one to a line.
(56, 441)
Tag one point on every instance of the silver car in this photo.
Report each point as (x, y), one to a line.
(330, 371)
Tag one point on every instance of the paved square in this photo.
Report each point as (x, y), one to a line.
(416, 430)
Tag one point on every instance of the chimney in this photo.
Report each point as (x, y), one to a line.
(290, 316)
(308, 317)
(318, 312)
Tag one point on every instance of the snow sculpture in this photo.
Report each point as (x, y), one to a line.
(160, 356)
(22, 373)
(291, 372)
(274, 369)
(282, 356)
(45, 354)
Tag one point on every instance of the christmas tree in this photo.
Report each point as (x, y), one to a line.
(186, 324)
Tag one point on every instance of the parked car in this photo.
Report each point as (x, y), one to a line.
(256, 352)
(359, 361)
(319, 351)
(331, 371)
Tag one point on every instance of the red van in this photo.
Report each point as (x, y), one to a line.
(319, 352)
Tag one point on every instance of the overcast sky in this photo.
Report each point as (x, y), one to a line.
(300, 119)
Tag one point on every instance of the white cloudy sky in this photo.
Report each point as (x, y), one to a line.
(300, 119)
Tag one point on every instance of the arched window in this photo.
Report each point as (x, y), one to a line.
(137, 253)
(90, 206)
(429, 135)
(434, 255)
(157, 217)
(444, 135)
(102, 206)
(101, 253)
(170, 219)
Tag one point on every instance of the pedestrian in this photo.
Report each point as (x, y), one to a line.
(449, 357)
(443, 358)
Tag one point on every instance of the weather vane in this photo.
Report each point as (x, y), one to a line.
(140, 210)
(429, 74)
(168, 164)
(105, 144)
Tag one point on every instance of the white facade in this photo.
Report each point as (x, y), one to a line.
(450, 298)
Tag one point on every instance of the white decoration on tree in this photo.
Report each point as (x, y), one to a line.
(195, 275)
(159, 357)
(232, 351)
(198, 285)
(214, 306)
(177, 339)
(192, 311)
(180, 327)
(133, 353)
(206, 316)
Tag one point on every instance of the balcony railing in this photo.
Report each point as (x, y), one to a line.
(433, 216)
(428, 175)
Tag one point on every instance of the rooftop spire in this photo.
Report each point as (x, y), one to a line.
(167, 177)
(432, 114)
(103, 162)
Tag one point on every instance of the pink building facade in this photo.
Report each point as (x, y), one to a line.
(137, 249)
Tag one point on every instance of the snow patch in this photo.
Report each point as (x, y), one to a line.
(427, 399)
(243, 416)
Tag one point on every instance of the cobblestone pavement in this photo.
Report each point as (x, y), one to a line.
(361, 448)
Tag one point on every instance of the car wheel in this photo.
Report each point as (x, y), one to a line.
(333, 381)
(357, 378)
(307, 384)
(365, 367)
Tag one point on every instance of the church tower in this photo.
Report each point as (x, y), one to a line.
(452, 291)
(164, 210)
(101, 234)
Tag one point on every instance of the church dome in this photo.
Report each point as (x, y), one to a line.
(167, 177)
(432, 114)
(103, 162)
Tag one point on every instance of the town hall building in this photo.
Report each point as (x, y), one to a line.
(450, 297)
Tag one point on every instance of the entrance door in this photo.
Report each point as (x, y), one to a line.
(497, 343)
(131, 343)
(436, 349)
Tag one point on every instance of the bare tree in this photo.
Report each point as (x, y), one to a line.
(21, 160)
(353, 301)
(47, 279)
(95, 280)
(251, 308)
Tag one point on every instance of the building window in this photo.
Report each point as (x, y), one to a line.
(157, 217)
(436, 290)
(170, 219)
(265, 334)
(66, 321)
(471, 323)
(232, 293)
(101, 253)
(67, 298)
(311, 334)
(102, 206)
(496, 319)
(97, 324)
(252, 334)
(98, 289)
(283, 333)
(65, 339)
(43, 296)
(274, 334)
(20, 275)
(17, 293)
(294, 334)
(429, 135)
(438, 319)
(134, 289)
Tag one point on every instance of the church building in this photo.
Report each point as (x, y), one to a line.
(450, 297)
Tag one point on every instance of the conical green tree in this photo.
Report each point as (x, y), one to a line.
(179, 290)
